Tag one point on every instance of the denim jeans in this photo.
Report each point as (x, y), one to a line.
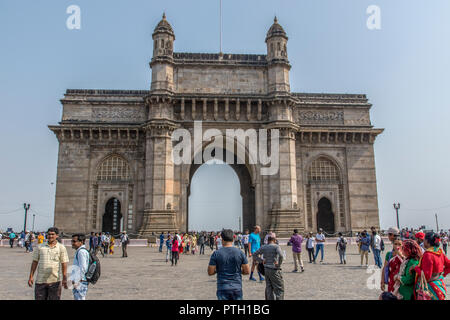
(80, 292)
(319, 246)
(342, 255)
(377, 256)
(161, 246)
(229, 294)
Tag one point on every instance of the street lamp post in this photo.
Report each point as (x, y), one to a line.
(26, 207)
(397, 207)
(33, 222)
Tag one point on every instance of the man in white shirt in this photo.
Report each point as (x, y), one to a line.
(320, 241)
(80, 267)
(245, 242)
(377, 249)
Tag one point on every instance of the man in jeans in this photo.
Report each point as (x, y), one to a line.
(80, 267)
(320, 241)
(365, 245)
(229, 263)
(377, 249)
(201, 242)
(124, 242)
(49, 258)
(272, 260)
(296, 242)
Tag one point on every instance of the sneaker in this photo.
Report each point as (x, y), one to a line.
(345, 262)
(295, 270)
(252, 279)
(261, 279)
(303, 270)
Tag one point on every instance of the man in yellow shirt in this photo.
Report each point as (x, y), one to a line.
(49, 259)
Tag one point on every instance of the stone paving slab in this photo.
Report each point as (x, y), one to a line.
(146, 275)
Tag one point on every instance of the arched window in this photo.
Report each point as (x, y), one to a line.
(323, 170)
(114, 168)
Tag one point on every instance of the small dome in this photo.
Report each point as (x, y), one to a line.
(276, 30)
(164, 27)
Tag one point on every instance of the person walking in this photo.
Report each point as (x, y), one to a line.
(211, 241)
(98, 244)
(201, 243)
(112, 243)
(175, 250)
(161, 241)
(229, 263)
(254, 243)
(444, 243)
(91, 242)
(50, 260)
(296, 242)
(365, 245)
(169, 248)
(310, 243)
(12, 236)
(320, 241)
(420, 237)
(376, 248)
(124, 240)
(272, 260)
(245, 242)
(341, 246)
(80, 267)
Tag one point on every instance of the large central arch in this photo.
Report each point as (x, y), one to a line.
(247, 180)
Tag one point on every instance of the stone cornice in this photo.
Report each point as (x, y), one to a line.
(217, 59)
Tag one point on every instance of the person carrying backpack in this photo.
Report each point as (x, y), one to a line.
(80, 267)
(85, 269)
(341, 246)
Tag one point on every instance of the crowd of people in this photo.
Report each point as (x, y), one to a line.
(414, 269)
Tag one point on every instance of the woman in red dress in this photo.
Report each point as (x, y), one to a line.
(394, 263)
(435, 266)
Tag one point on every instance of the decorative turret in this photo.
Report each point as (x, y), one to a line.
(161, 64)
(276, 43)
(277, 58)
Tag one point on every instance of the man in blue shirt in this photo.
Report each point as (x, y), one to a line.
(365, 245)
(254, 243)
(229, 263)
(12, 236)
(161, 241)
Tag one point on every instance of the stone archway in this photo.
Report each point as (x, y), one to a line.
(247, 191)
(112, 216)
(325, 216)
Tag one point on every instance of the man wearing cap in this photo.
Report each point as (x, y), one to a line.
(420, 236)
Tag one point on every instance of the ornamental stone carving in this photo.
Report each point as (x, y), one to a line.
(117, 113)
(321, 117)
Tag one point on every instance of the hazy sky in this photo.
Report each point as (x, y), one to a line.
(403, 68)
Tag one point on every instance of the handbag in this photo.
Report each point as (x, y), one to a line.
(423, 293)
(261, 268)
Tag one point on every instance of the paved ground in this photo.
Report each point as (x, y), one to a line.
(145, 275)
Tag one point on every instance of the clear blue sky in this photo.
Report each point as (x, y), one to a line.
(403, 68)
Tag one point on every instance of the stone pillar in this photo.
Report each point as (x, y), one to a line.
(159, 213)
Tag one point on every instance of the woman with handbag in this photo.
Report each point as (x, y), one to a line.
(432, 268)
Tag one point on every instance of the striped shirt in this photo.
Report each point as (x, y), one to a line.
(270, 253)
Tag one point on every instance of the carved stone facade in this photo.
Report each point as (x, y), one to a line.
(116, 144)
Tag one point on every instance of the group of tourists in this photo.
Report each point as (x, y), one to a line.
(104, 243)
(415, 268)
(26, 239)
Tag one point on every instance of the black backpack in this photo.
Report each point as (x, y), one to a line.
(93, 272)
(342, 244)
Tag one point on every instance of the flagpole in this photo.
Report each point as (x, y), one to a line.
(220, 26)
